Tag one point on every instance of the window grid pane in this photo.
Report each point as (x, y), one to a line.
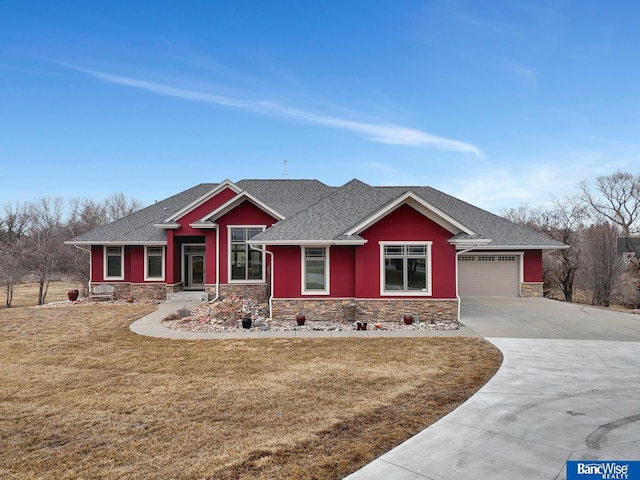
(154, 266)
(246, 263)
(114, 262)
(405, 267)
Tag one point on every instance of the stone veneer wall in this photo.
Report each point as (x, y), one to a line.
(122, 289)
(176, 287)
(139, 291)
(258, 292)
(532, 289)
(148, 291)
(349, 309)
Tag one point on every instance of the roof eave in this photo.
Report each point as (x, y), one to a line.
(354, 242)
(529, 247)
(117, 242)
(463, 243)
(203, 225)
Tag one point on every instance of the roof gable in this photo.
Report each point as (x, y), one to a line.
(209, 220)
(203, 199)
(419, 204)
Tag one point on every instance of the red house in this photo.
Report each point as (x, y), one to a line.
(331, 252)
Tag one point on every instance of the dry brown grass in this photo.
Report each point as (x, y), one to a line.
(83, 397)
(26, 294)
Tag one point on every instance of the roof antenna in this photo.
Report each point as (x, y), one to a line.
(285, 175)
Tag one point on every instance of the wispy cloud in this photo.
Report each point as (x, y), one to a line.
(527, 74)
(376, 132)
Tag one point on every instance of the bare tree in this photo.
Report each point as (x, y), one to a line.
(118, 206)
(565, 222)
(617, 198)
(525, 216)
(13, 225)
(45, 247)
(85, 215)
(602, 270)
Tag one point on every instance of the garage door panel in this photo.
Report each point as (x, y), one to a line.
(488, 275)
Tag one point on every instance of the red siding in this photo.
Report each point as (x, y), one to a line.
(97, 263)
(355, 270)
(202, 211)
(287, 271)
(130, 255)
(136, 264)
(343, 271)
(172, 260)
(533, 266)
(406, 224)
(244, 214)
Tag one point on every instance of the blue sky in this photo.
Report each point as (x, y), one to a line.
(496, 102)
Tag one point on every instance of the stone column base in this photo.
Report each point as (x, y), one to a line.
(532, 289)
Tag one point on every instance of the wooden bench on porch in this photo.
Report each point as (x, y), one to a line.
(102, 291)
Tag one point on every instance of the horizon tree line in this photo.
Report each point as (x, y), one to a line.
(590, 222)
(32, 236)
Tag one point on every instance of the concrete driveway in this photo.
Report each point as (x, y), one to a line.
(513, 317)
(568, 389)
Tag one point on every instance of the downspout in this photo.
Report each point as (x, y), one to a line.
(270, 279)
(90, 263)
(217, 264)
(457, 279)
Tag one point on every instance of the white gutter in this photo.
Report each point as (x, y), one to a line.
(271, 278)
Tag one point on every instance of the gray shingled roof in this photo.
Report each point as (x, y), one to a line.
(319, 213)
(502, 232)
(139, 226)
(285, 196)
(329, 218)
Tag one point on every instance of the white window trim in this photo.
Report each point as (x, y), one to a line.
(411, 293)
(229, 257)
(146, 264)
(327, 271)
(105, 262)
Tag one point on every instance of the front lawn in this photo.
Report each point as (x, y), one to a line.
(83, 397)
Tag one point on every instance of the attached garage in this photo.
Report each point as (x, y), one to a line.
(489, 274)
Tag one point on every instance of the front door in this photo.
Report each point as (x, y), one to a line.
(194, 267)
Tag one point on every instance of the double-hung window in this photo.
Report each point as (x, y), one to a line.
(405, 268)
(246, 264)
(154, 263)
(113, 263)
(315, 270)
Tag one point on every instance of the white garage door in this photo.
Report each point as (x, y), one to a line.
(488, 275)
